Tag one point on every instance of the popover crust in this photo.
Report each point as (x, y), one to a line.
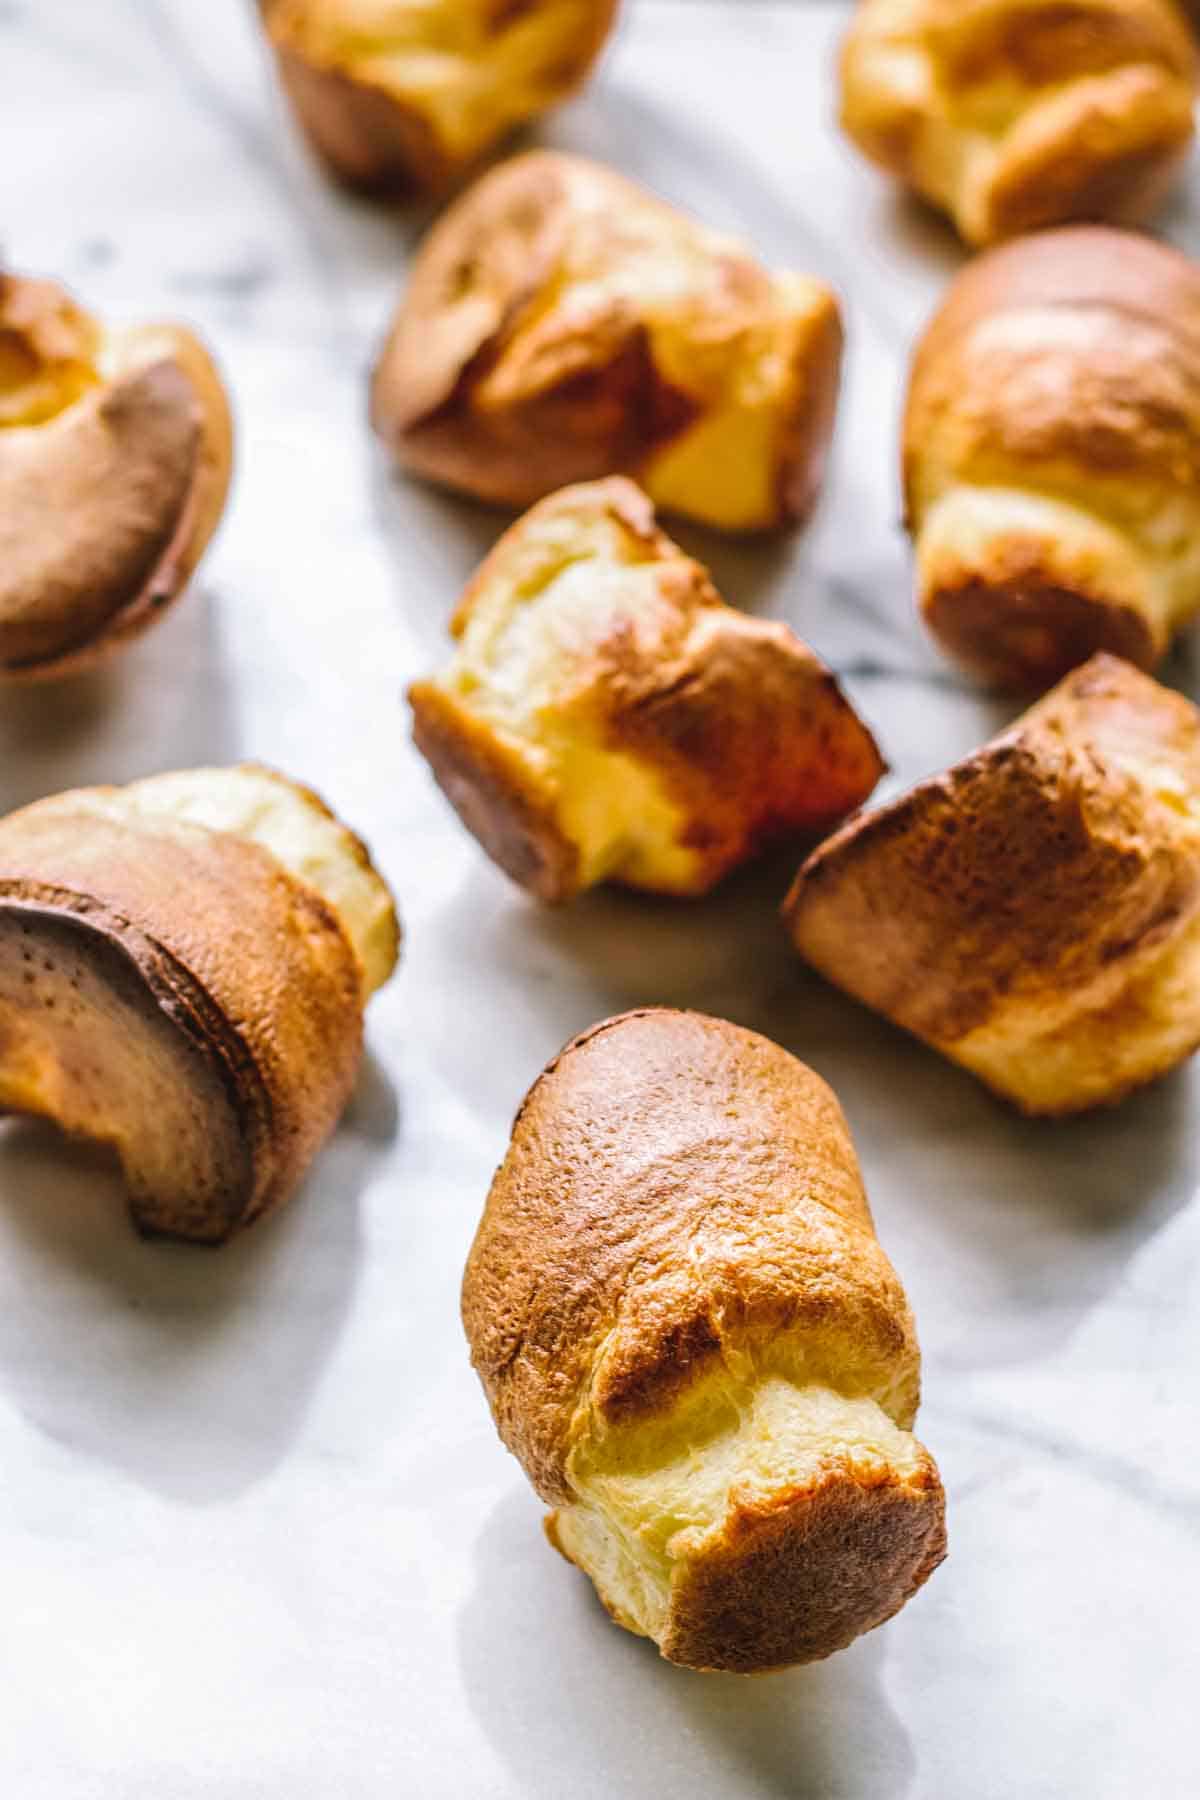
(563, 324)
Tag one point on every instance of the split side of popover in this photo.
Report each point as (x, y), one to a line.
(606, 717)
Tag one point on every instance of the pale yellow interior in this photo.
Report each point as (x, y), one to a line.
(727, 467)
(571, 580)
(650, 1497)
(42, 375)
(266, 809)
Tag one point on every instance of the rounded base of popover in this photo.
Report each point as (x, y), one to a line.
(367, 141)
(1024, 634)
(815, 1541)
(491, 790)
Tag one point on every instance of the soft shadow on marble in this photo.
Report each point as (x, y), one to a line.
(591, 1697)
(132, 717)
(187, 1369)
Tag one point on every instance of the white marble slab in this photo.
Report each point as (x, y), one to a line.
(257, 1537)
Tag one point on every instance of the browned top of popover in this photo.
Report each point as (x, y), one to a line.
(1076, 265)
(1076, 349)
(676, 1186)
(1064, 846)
(248, 962)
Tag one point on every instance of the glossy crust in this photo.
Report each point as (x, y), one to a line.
(156, 975)
(403, 96)
(563, 324)
(1012, 115)
(681, 1207)
(115, 458)
(608, 717)
(1034, 913)
(1051, 461)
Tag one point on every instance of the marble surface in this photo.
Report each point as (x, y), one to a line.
(257, 1537)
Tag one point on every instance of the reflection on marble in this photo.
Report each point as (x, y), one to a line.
(257, 1537)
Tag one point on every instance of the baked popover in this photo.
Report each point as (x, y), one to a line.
(693, 1343)
(404, 95)
(1011, 115)
(606, 717)
(562, 324)
(184, 964)
(115, 456)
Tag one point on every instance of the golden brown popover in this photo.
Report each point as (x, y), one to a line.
(404, 95)
(606, 717)
(690, 1337)
(1034, 913)
(184, 964)
(1010, 115)
(115, 457)
(1052, 455)
(562, 324)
